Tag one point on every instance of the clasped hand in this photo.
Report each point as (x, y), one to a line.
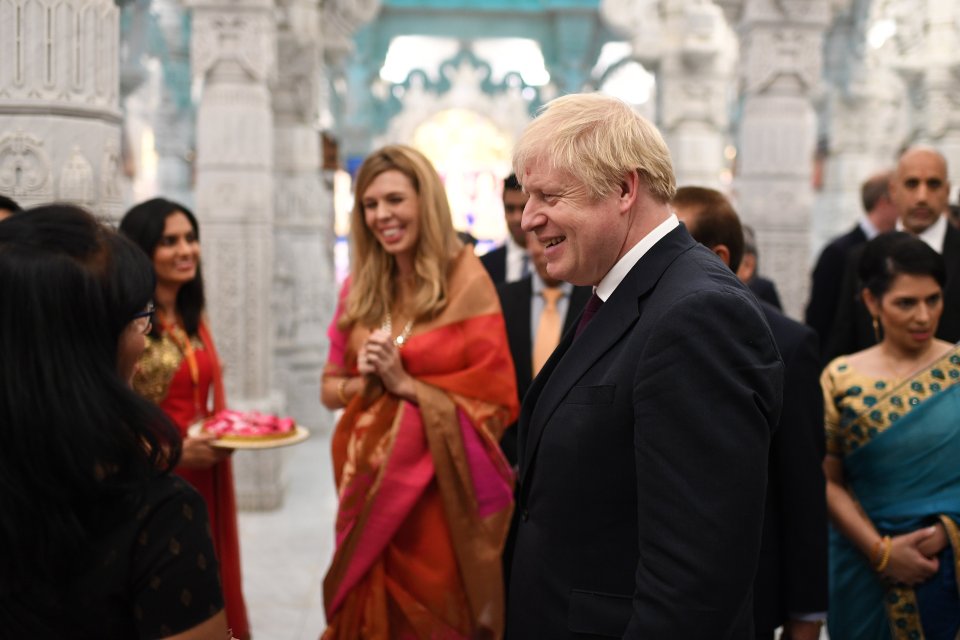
(913, 556)
(380, 356)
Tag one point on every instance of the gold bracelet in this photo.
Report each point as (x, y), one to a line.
(341, 391)
(876, 552)
(885, 558)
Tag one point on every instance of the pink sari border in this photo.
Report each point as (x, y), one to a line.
(492, 491)
(409, 471)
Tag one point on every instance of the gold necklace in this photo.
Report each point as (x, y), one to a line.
(401, 339)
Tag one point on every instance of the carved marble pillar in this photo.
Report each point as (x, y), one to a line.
(59, 110)
(304, 291)
(174, 121)
(233, 48)
(927, 46)
(696, 77)
(866, 127)
(862, 120)
(781, 51)
(353, 64)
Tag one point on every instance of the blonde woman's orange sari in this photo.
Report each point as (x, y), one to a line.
(425, 493)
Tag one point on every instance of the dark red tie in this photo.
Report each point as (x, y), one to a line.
(593, 305)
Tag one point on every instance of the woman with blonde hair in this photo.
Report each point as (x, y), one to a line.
(420, 363)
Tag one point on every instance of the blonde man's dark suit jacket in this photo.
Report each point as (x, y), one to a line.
(643, 460)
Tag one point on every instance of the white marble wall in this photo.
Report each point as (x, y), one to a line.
(59, 117)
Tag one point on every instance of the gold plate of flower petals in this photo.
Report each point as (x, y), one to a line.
(299, 435)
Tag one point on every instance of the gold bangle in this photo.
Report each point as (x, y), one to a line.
(885, 558)
(341, 391)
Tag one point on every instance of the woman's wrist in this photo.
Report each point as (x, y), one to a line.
(882, 551)
(342, 390)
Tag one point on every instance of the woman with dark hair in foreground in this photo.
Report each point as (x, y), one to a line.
(893, 445)
(180, 371)
(97, 539)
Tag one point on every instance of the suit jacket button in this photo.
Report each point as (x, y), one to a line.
(524, 515)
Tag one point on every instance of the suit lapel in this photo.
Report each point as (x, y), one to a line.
(573, 358)
(578, 300)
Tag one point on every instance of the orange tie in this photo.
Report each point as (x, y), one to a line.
(548, 330)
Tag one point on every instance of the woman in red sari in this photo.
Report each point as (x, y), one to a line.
(420, 363)
(180, 371)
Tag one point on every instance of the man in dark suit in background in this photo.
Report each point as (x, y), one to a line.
(880, 216)
(790, 588)
(643, 441)
(749, 274)
(523, 303)
(919, 189)
(509, 262)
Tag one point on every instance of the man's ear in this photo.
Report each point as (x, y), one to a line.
(629, 189)
(722, 251)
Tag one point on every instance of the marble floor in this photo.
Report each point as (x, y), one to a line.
(285, 552)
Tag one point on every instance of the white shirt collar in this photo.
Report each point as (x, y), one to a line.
(623, 266)
(515, 256)
(932, 235)
(869, 229)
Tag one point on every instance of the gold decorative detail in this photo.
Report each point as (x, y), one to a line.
(401, 339)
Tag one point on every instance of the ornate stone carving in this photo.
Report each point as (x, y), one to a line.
(111, 190)
(242, 39)
(76, 179)
(508, 109)
(24, 167)
(781, 69)
(340, 20)
(781, 54)
(639, 20)
(60, 52)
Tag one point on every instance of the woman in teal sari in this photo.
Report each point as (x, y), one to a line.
(893, 457)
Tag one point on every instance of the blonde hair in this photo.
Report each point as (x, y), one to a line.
(373, 270)
(597, 139)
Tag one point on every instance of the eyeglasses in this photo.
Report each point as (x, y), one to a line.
(143, 321)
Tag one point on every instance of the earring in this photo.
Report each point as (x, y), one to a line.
(876, 328)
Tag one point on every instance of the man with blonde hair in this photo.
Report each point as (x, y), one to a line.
(643, 441)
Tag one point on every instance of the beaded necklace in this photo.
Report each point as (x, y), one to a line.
(401, 339)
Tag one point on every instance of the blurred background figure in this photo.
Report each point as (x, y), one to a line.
(8, 207)
(893, 441)
(180, 371)
(749, 271)
(420, 362)
(880, 216)
(98, 539)
(790, 589)
(510, 261)
(537, 310)
(919, 189)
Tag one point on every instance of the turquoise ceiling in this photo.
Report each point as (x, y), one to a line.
(570, 35)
